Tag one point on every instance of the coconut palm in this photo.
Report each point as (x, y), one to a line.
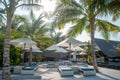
(112, 7)
(33, 27)
(10, 6)
(84, 17)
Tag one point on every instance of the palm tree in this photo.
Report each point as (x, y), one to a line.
(83, 16)
(32, 27)
(10, 6)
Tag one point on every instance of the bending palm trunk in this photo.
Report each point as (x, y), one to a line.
(92, 45)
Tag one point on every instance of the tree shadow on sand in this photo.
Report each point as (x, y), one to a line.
(83, 78)
(113, 78)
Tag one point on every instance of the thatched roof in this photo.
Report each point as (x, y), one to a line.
(108, 48)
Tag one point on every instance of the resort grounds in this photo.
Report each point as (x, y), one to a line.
(53, 74)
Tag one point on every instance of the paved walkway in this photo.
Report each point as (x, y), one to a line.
(53, 74)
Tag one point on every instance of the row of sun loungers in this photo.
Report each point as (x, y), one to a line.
(66, 70)
(24, 73)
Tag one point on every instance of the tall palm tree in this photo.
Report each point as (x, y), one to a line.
(83, 16)
(33, 27)
(10, 6)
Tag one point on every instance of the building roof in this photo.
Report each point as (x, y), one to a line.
(108, 48)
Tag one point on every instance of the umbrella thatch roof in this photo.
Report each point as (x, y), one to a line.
(57, 49)
(108, 48)
(68, 41)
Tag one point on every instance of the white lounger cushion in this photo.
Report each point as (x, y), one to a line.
(87, 71)
(27, 70)
(65, 71)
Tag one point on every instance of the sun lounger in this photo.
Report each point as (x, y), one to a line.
(75, 69)
(68, 63)
(25, 77)
(27, 70)
(42, 66)
(87, 71)
(59, 64)
(65, 71)
(17, 69)
(50, 65)
(82, 64)
(11, 69)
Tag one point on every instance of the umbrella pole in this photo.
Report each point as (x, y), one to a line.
(22, 55)
(30, 57)
(54, 56)
(70, 51)
(24, 52)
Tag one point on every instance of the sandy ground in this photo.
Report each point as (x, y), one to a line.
(104, 74)
(53, 74)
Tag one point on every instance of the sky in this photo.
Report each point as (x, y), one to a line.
(49, 6)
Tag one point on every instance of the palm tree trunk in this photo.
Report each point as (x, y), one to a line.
(92, 45)
(6, 53)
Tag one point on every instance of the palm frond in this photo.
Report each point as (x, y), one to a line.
(114, 5)
(30, 1)
(66, 2)
(105, 25)
(88, 29)
(78, 27)
(29, 6)
(67, 15)
(116, 15)
(105, 35)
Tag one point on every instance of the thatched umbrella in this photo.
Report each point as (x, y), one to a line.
(56, 49)
(24, 43)
(70, 42)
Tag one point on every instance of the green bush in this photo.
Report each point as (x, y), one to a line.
(15, 55)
